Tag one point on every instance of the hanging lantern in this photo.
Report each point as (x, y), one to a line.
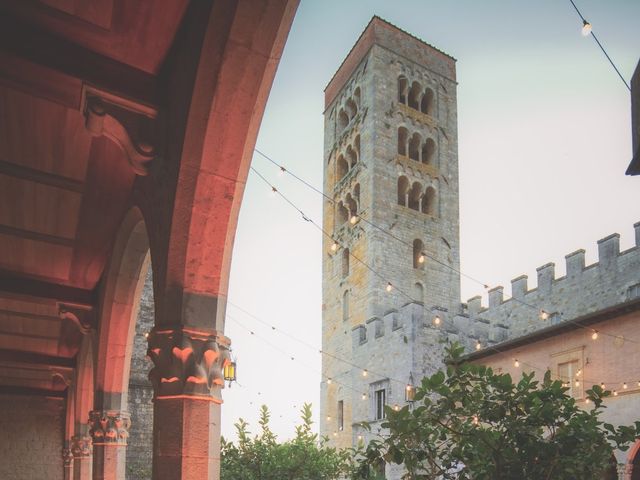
(229, 372)
(410, 391)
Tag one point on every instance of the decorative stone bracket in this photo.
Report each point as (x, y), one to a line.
(187, 363)
(109, 427)
(81, 315)
(127, 123)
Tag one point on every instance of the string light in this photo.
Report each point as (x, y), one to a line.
(365, 372)
(437, 320)
(586, 28)
(624, 385)
(328, 381)
(478, 345)
(475, 420)
(328, 418)
(396, 407)
(578, 372)
(594, 335)
(146, 334)
(577, 383)
(615, 393)
(587, 400)
(421, 258)
(334, 246)
(353, 219)
(389, 287)
(364, 396)
(360, 438)
(543, 315)
(602, 385)
(516, 363)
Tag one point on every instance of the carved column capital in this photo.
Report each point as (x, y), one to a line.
(81, 446)
(67, 458)
(108, 427)
(187, 362)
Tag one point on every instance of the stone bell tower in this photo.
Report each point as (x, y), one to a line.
(391, 165)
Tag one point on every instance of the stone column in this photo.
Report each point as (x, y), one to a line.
(187, 379)
(82, 452)
(109, 430)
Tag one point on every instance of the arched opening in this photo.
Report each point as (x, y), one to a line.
(343, 167)
(418, 293)
(414, 196)
(345, 262)
(428, 151)
(426, 105)
(357, 97)
(345, 306)
(352, 206)
(403, 87)
(634, 460)
(612, 471)
(403, 186)
(414, 95)
(343, 120)
(418, 257)
(414, 147)
(342, 214)
(352, 108)
(356, 194)
(403, 140)
(428, 201)
(356, 146)
(124, 281)
(351, 155)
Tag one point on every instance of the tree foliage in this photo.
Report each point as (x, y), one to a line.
(262, 457)
(469, 422)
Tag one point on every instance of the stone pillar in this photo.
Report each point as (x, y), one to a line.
(187, 379)
(82, 452)
(109, 430)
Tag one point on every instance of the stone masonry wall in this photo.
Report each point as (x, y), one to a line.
(32, 429)
(140, 444)
(583, 290)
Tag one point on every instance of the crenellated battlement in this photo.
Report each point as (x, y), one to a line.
(584, 289)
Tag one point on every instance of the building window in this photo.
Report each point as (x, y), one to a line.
(428, 151)
(403, 187)
(418, 293)
(567, 373)
(403, 141)
(633, 292)
(418, 257)
(345, 262)
(426, 104)
(403, 87)
(345, 306)
(380, 400)
(428, 201)
(340, 415)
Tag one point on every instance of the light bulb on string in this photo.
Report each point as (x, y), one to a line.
(334, 246)
(475, 420)
(516, 363)
(365, 372)
(615, 393)
(478, 345)
(602, 385)
(364, 396)
(274, 191)
(578, 372)
(389, 287)
(353, 219)
(421, 258)
(282, 171)
(543, 315)
(587, 401)
(437, 320)
(625, 386)
(328, 418)
(594, 335)
(396, 407)
(586, 28)
(360, 438)
(577, 383)
(328, 381)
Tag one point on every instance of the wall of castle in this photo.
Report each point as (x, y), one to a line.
(32, 429)
(584, 289)
(140, 399)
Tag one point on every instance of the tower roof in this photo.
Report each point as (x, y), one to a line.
(381, 32)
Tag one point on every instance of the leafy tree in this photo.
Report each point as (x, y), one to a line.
(262, 457)
(469, 422)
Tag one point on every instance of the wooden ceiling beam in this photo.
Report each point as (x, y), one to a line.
(38, 176)
(30, 391)
(12, 285)
(35, 359)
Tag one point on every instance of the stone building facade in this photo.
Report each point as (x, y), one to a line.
(391, 281)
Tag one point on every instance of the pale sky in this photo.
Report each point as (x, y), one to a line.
(544, 131)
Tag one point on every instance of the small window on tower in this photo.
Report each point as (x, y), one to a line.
(345, 306)
(380, 400)
(568, 373)
(418, 255)
(403, 87)
(340, 415)
(345, 262)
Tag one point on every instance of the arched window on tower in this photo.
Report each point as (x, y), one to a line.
(356, 146)
(428, 151)
(342, 214)
(356, 194)
(418, 293)
(351, 155)
(414, 95)
(403, 87)
(418, 247)
(357, 97)
(403, 186)
(352, 108)
(426, 105)
(428, 201)
(414, 147)
(403, 140)
(343, 120)
(345, 306)
(352, 206)
(414, 196)
(345, 262)
(343, 167)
